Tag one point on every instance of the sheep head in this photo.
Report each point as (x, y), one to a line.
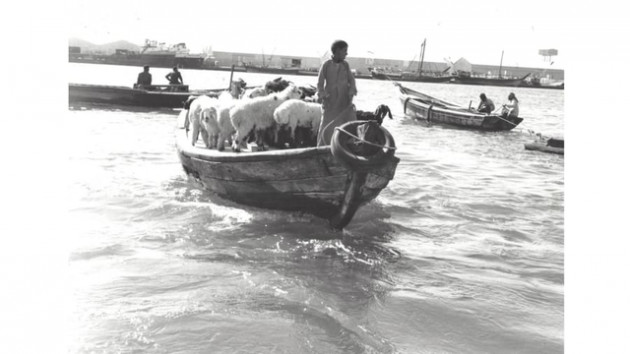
(294, 92)
(208, 116)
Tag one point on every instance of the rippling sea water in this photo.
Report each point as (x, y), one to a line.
(462, 252)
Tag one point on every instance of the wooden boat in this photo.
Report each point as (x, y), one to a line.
(422, 106)
(551, 145)
(309, 179)
(413, 77)
(467, 79)
(471, 80)
(271, 70)
(165, 96)
(409, 77)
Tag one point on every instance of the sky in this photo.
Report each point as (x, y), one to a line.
(477, 31)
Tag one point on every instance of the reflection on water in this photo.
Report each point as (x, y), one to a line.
(462, 252)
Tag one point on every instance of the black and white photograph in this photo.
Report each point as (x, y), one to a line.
(317, 177)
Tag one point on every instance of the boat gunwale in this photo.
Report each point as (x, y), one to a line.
(213, 155)
(540, 146)
(451, 111)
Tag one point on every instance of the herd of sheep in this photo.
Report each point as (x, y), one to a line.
(279, 115)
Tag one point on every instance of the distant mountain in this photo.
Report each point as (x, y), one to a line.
(78, 42)
(120, 45)
(106, 48)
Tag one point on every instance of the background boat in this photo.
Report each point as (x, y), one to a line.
(551, 145)
(271, 70)
(418, 76)
(510, 82)
(409, 77)
(423, 106)
(164, 96)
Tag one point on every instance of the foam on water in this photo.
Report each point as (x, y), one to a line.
(462, 252)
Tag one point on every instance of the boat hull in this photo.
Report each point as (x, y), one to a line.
(121, 95)
(411, 78)
(490, 82)
(268, 70)
(306, 180)
(423, 107)
(552, 145)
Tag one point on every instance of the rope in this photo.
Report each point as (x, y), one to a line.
(365, 141)
(530, 131)
(498, 116)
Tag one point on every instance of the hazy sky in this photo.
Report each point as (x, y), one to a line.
(477, 31)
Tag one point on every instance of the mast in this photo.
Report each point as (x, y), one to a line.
(424, 43)
(501, 65)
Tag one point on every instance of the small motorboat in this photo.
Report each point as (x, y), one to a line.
(551, 145)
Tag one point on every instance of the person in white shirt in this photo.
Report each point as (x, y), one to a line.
(510, 109)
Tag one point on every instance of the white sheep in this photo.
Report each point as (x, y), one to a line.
(297, 113)
(226, 129)
(256, 115)
(202, 114)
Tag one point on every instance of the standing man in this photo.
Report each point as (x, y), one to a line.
(144, 78)
(175, 77)
(336, 88)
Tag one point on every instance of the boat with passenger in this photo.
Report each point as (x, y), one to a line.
(331, 181)
(422, 106)
(155, 96)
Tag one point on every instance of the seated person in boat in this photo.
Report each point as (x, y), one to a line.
(336, 88)
(510, 109)
(175, 77)
(144, 78)
(485, 105)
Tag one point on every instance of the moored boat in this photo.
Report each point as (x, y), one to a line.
(409, 77)
(309, 180)
(271, 70)
(552, 145)
(157, 96)
(414, 76)
(472, 80)
(422, 106)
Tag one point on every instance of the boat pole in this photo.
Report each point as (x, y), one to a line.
(501, 65)
(231, 75)
(422, 57)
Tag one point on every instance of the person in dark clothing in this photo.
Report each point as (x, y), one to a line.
(144, 78)
(485, 105)
(175, 77)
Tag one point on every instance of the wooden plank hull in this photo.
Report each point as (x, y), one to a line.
(121, 95)
(307, 179)
(490, 82)
(271, 70)
(424, 107)
(411, 78)
(541, 146)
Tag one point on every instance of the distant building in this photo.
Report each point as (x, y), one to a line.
(361, 65)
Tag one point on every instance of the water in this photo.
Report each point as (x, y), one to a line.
(462, 252)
